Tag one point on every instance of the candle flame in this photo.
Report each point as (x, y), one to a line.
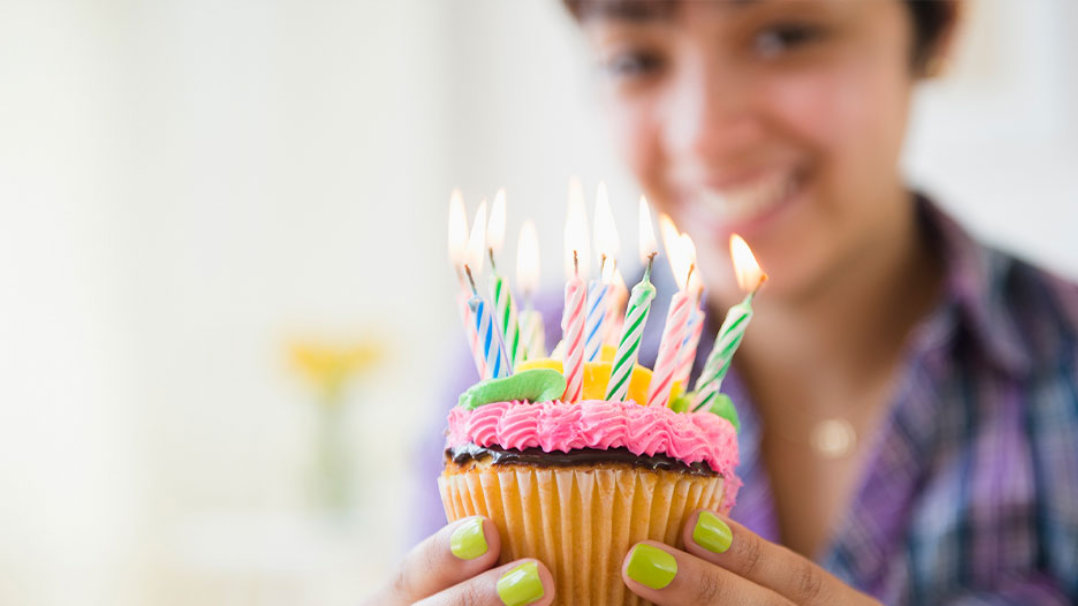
(496, 225)
(669, 233)
(606, 238)
(749, 275)
(528, 258)
(619, 281)
(672, 243)
(458, 229)
(576, 232)
(683, 260)
(477, 240)
(648, 245)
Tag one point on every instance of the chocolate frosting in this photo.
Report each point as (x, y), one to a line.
(583, 456)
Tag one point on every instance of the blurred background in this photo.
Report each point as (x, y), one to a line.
(224, 291)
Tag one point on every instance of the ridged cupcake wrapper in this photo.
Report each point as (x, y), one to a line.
(580, 521)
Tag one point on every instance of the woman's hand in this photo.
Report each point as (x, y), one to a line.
(453, 567)
(727, 564)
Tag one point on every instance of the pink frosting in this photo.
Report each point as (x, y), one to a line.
(643, 430)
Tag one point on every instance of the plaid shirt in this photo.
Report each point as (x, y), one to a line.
(970, 490)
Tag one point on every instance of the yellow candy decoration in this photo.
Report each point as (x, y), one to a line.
(597, 375)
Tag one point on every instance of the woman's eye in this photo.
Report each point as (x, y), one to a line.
(632, 64)
(778, 39)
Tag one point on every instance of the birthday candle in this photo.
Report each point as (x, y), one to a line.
(607, 243)
(491, 348)
(505, 309)
(666, 362)
(458, 252)
(497, 365)
(687, 354)
(532, 330)
(636, 316)
(573, 317)
(732, 331)
(615, 311)
(677, 320)
(593, 321)
(572, 326)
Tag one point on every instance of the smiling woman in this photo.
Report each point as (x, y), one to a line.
(909, 396)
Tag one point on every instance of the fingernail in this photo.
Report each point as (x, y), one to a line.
(712, 533)
(521, 585)
(651, 566)
(468, 542)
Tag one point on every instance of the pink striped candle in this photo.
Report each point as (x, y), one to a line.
(615, 311)
(662, 377)
(687, 355)
(572, 328)
(574, 315)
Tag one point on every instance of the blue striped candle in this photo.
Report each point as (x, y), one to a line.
(593, 323)
(490, 339)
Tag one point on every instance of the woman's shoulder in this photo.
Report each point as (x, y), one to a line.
(1043, 306)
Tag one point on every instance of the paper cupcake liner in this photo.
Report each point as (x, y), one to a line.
(579, 521)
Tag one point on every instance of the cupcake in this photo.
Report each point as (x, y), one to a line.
(575, 485)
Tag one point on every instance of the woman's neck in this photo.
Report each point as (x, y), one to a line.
(843, 339)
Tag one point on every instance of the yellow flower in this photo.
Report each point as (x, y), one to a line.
(329, 366)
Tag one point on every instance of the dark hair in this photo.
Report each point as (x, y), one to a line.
(930, 18)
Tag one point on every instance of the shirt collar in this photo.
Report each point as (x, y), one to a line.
(974, 298)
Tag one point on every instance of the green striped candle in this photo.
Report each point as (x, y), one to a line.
(505, 312)
(727, 341)
(629, 346)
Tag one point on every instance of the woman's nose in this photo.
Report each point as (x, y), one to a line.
(709, 113)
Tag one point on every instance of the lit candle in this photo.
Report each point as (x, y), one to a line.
(606, 241)
(636, 315)
(505, 311)
(458, 256)
(533, 333)
(490, 356)
(573, 317)
(695, 329)
(749, 277)
(677, 320)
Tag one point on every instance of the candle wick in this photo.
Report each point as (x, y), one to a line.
(576, 264)
(493, 267)
(688, 276)
(602, 263)
(471, 280)
(763, 278)
(647, 270)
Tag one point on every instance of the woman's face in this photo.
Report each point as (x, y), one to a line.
(781, 120)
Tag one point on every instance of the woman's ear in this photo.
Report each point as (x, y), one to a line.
(941, 55)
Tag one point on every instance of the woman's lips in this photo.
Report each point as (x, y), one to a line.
(745, 206)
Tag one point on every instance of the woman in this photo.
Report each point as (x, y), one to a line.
(910, 397)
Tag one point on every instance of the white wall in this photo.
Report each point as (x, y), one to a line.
(185, 186)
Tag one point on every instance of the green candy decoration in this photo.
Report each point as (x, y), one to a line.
(723, 406)
(680, 403)
(535, 385)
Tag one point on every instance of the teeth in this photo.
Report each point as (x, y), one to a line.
(748, 200)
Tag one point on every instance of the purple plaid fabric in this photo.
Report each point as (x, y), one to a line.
(970, 493)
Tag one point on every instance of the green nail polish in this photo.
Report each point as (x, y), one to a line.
(521, 585)
(651, 566)
(712, 533)
(467, 541)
